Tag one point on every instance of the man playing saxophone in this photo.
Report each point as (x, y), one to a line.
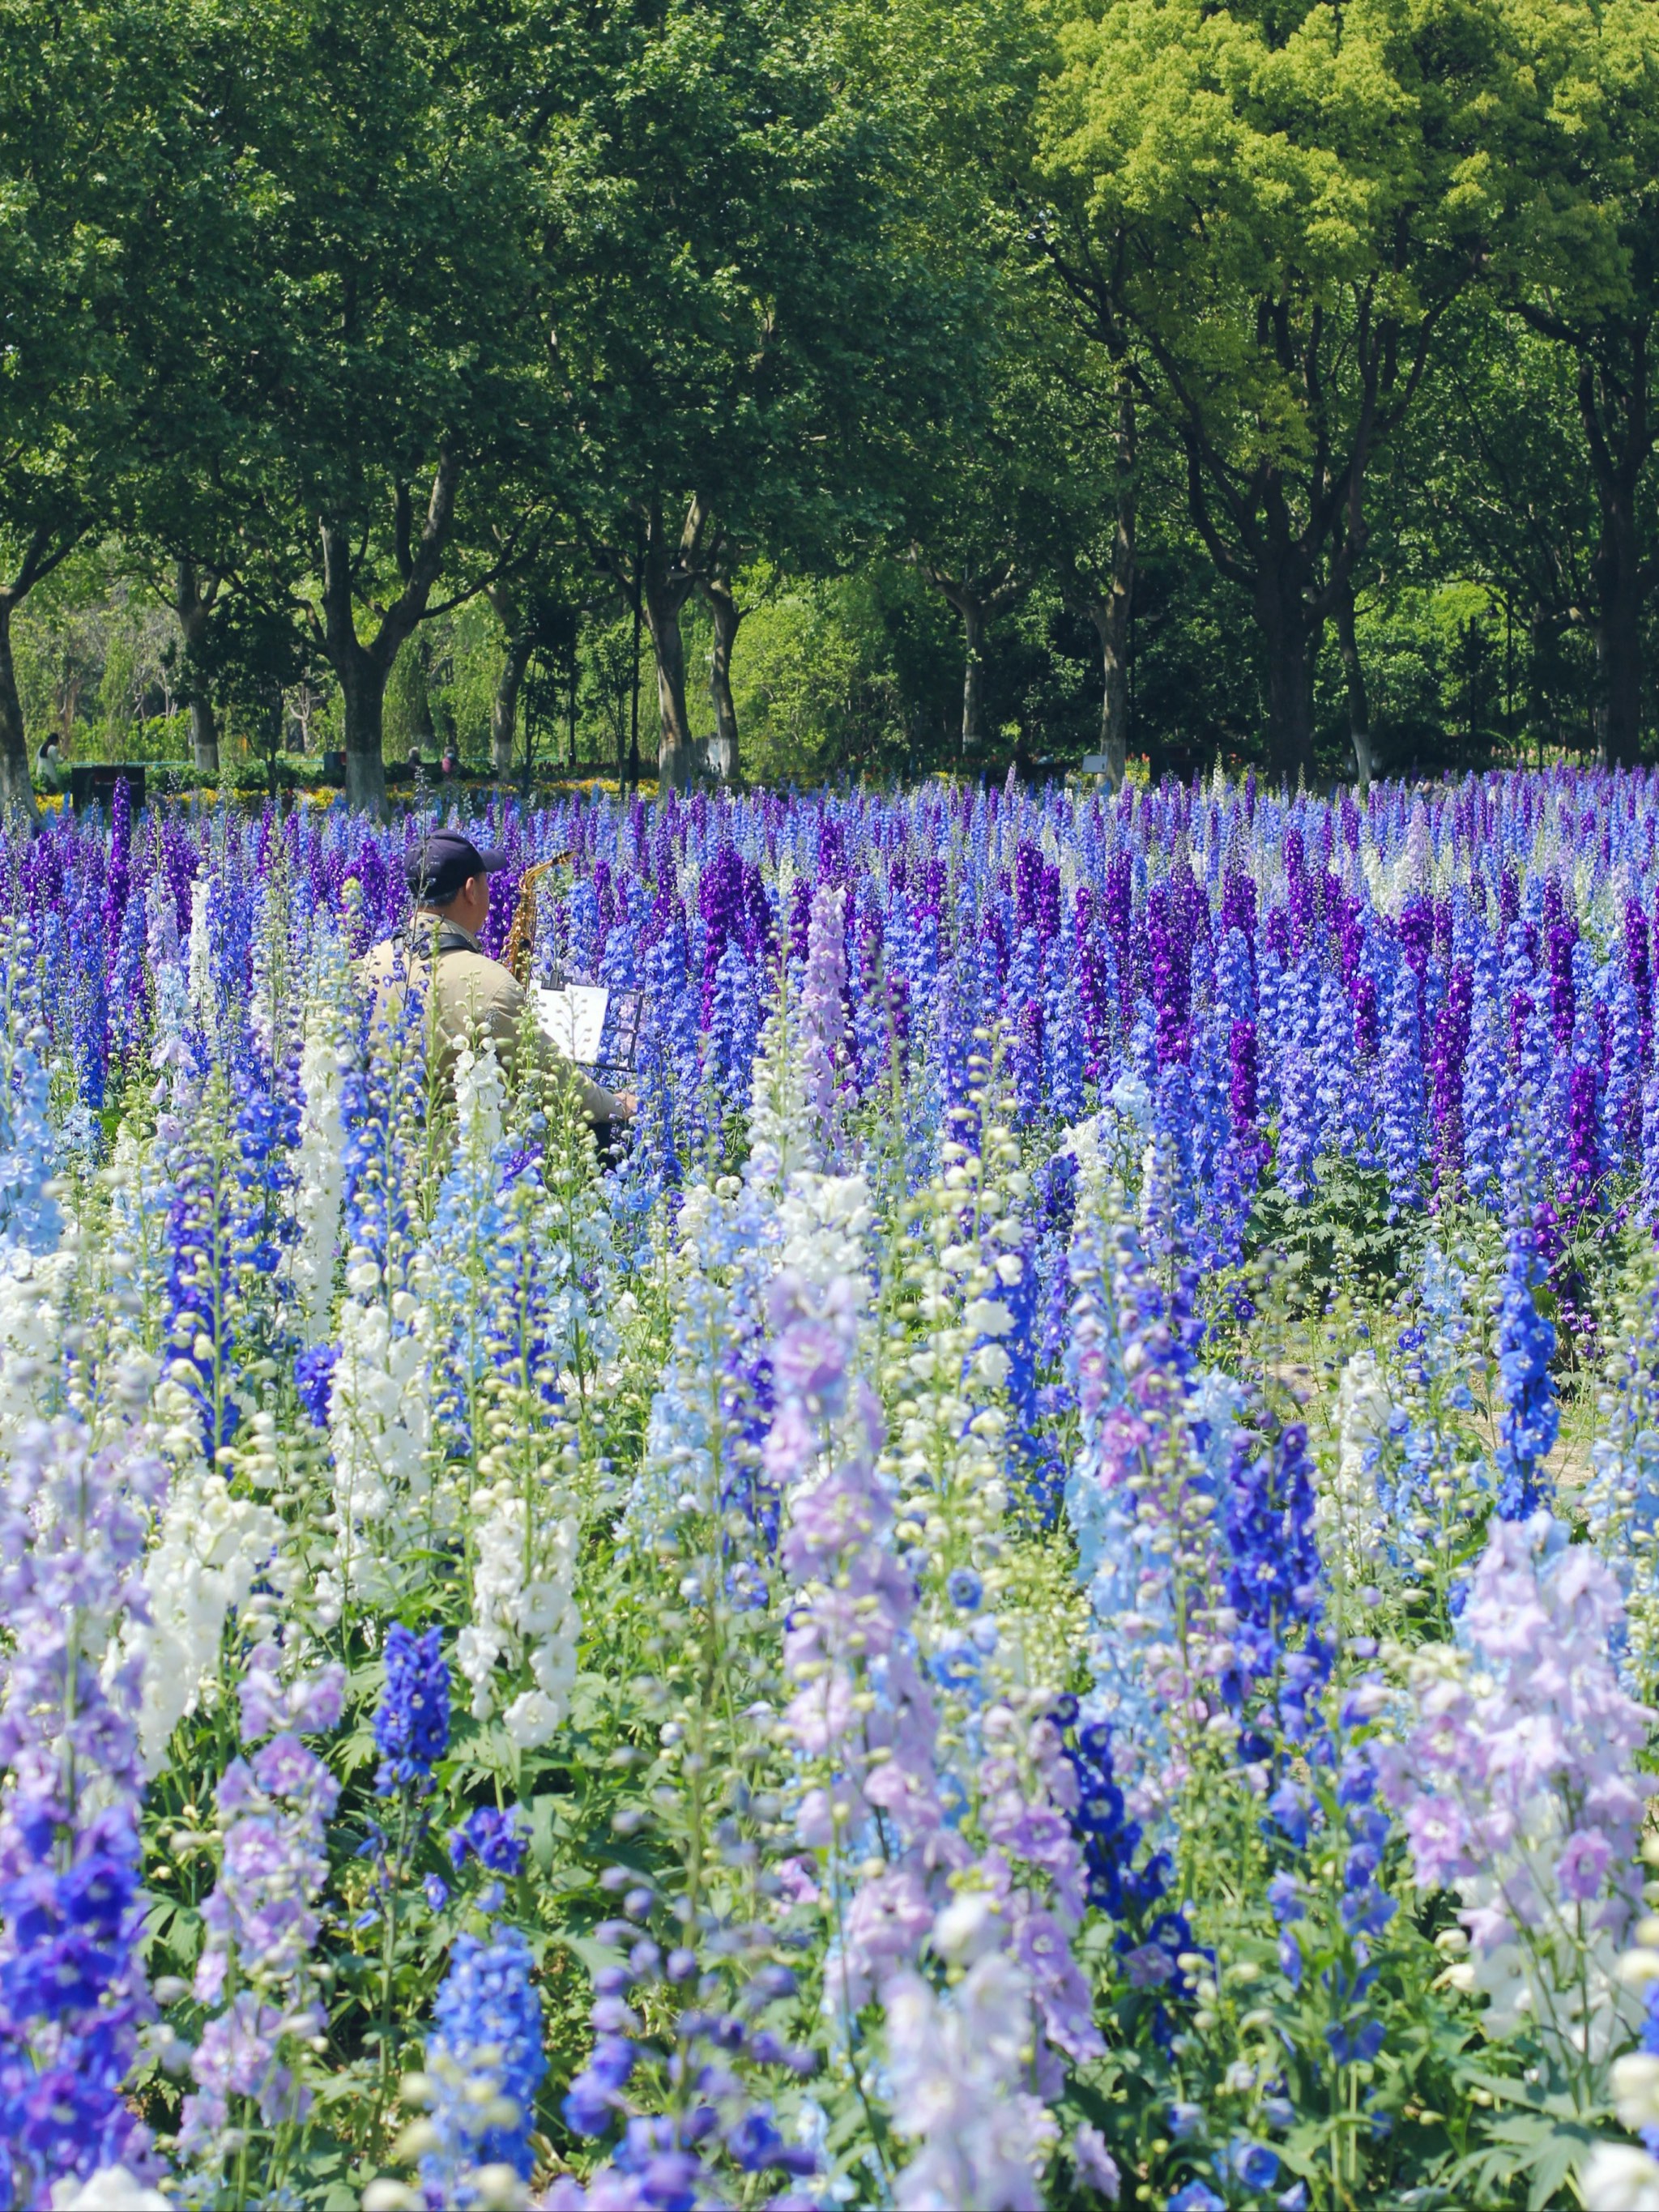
(474, 996)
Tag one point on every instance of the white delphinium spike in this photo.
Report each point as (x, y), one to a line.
(379, 1414)
(460, 1256)
(524, 1611)
(778, 1143)
(825, 1222)
(211, 1549)
(817, 1226)
(201, 946)
(121, 1282)
(34, 1289)
(1347, 1513)
(480, 1102)
(1620, 2178)
(945, 1452)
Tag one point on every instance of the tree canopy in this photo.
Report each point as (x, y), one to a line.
(904, 387)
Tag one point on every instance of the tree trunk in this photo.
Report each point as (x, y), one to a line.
(633, 772)
(1108, 608)
(662, 616)
(362, 680)
(193, 594)
(203, 735)
(504, 708)
(979, 599)
(728, 615)
(669, 576)
(362, 670)
(1618, 431)
(1290, 634)
(362, 691)
(1111, 614)
(1618, 634)
(45, 549)
(423, 738)
(16, 789)
(1359, 711)
(973, 690)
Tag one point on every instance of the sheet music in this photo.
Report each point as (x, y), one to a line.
(574, 1019)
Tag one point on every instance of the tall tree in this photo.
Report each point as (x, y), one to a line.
(365, 340)
(1099, 574)
(77, 106)
(1280, 202)
(1502, 489)
(754, 321)
(538, 600)
(1585, 276)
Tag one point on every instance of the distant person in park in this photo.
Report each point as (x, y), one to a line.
(476, 997)
(48, 768)
(450, 763)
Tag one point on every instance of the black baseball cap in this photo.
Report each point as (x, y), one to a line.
(442, 861)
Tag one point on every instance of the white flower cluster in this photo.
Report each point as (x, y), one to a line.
(946, 1450)
(34, 1289)
(211, 1549)
(380, 1410)
(480, 1101)
(110, 2189)
(825, 1221)
(1347, 1513)
(201, 946)
(523, 1610)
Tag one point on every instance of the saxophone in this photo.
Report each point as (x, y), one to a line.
(520, 947)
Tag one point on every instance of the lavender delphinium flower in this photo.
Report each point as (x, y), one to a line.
(274, 1807)
(835, 1545)
(1515, 1775)
(72, 1991)
(957, 2068)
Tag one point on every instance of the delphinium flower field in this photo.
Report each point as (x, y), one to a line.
(1041, 1591)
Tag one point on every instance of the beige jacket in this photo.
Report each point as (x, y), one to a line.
(476, 998)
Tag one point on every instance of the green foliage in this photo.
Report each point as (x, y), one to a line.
(857, 296)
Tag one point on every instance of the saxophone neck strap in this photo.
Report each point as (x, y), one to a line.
(411, 939)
